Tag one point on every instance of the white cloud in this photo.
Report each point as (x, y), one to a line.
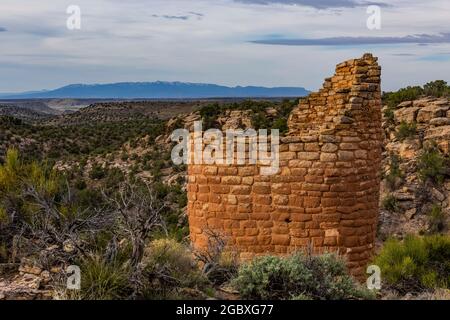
(141, 40)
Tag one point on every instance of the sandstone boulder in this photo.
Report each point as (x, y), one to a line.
(442, 102)
(407, 115)
(405, 104)
(423, 102)
(403, 196)
(406, 150)
(190, 119)
(410, 213)
(235, 119)
(437, 122)
(441, 135)
(431, 111)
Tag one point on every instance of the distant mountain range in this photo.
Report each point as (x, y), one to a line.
(158, 90)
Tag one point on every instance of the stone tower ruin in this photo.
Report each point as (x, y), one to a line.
(326, 192)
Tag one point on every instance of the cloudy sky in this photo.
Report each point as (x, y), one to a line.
(230, 42)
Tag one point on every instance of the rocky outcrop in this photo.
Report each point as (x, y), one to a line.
(412, 198)
(25, 281)
(235, 119)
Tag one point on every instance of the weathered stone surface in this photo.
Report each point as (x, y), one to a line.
(31, 283)
(405, 104)
(440, 135)
(410, 213)
(414, 198)
(430, 111)
(407, 115)
(235, 119)
(439, 196)
(440, 121)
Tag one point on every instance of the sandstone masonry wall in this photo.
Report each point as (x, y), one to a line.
(327, 190)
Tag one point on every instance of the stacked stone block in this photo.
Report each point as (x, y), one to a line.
(325, 195)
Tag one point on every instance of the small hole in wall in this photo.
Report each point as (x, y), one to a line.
(287, 220)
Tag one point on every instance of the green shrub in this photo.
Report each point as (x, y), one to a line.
(101, 280)
(97, 172)
(167, 267)
(437, 219)
(114, 177)
(211, 110)
(395, 174)
(89, 198)
(281, 124)
(224, 269)
(389, 115)
(218, 264)
(393, 99)
(9, 172)
(416, 264)
(390, 203)
(209, 115)
(287, 106)
(4, 217)
(297, 276)
(258, 111)
(80, 184)
(406, 130)
(16, 177)
(35, 199)
(432, 165)
(4, 255)
(436, 88)
(261, 121)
